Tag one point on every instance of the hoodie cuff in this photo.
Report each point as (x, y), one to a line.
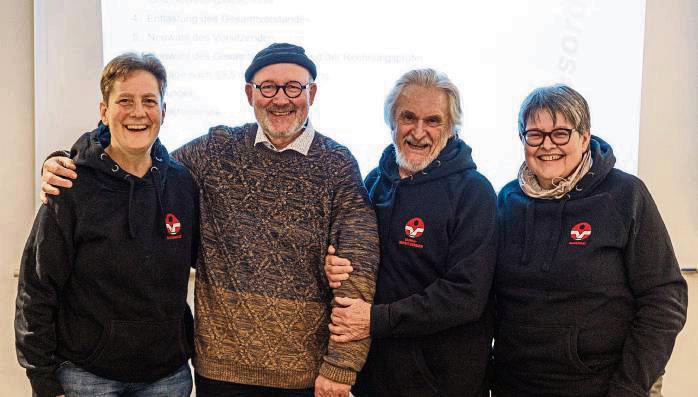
(380, 321)
(619, 390)
(46, 386)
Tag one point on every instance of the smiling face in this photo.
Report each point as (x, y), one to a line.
(282, 118)
(134, 112)
(422, 127)
(550, 161)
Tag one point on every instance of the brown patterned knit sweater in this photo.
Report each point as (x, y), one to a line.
(262, 300)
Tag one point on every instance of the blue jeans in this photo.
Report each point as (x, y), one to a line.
(77, 382)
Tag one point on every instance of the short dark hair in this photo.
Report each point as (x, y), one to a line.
(556, 99)
(125, 64)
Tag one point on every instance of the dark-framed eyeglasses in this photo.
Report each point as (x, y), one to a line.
(558, 136)
(292, 89)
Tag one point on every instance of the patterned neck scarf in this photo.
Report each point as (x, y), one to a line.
(561, 186)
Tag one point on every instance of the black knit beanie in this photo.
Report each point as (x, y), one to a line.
(280, 53)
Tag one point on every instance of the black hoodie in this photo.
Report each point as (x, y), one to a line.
(431, 321)
(103, 278)
(589, 295)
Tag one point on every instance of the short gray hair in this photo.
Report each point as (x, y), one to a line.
(556, 99)
(429, 78)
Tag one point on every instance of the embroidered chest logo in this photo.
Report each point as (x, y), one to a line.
(173, 226)
(414, 228)
(579, 233)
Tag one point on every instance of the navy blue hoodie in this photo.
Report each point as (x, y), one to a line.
(103, 278)
(589, 295)
(431, 321)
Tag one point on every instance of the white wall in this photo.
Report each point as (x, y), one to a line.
(16, 172)
(668, 155)
(67, 37)
(668, 143)
(21, 153)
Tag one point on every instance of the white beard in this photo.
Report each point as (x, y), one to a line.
(416, 166)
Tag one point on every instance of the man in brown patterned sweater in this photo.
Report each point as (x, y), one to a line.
(274, 195)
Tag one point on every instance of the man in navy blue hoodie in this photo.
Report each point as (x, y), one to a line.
(431, 323)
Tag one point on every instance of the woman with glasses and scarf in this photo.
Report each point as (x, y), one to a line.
(589, 294)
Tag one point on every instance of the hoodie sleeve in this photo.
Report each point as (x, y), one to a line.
(661, 300)
(462, 294)
(354, 233)
(44, 270)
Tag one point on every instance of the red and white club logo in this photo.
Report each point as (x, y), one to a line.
(414, 227)
(172, 224)
(580, 231)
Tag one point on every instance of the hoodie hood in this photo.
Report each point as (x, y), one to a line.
(456, 156)
(603, 162)
(89, 151)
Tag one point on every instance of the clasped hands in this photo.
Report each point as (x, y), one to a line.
(351, 318)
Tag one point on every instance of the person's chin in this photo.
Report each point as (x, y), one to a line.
(281, 132)
(413, 164)
(137, 144)
(282, 129)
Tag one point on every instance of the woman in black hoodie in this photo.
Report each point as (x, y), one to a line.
(101, 303)
(589, 295)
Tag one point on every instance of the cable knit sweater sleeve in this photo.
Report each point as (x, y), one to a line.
(193, 155)
(355, 234)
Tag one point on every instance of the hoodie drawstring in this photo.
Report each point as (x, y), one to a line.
(131, 227)
(155, 172)
(528, 232)
(560, 213)
(554, 242)
(555, 239)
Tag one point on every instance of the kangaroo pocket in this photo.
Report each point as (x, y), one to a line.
(543, 350)
(139, 351)
(398, 368)
(458, 358)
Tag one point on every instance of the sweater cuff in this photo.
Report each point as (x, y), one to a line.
(57, 153)
(380, 321)
(336, 374)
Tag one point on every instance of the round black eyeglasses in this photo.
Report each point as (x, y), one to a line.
(558, 136)
(292, 89)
